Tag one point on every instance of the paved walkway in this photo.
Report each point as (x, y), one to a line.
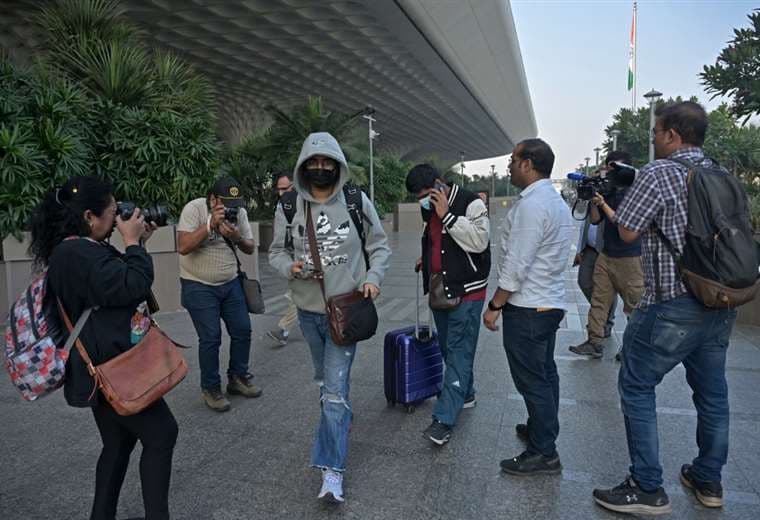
(252, 463)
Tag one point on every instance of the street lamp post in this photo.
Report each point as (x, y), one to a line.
(652, 96)
(615, 133)
(461, 166)
(369, 111)
(493, 180)
(597, 150)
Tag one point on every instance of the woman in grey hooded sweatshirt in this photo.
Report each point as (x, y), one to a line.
(319, 177)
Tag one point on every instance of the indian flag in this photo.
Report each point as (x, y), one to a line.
(632, 53)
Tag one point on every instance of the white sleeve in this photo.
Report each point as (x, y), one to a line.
(472, 231)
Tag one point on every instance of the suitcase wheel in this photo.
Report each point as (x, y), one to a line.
(391, 403)
(410, 408)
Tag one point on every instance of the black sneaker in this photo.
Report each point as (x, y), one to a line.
(531, 464)
(710, 494)
(587, 349)
(439, 433)
(628, 497)
(470, 402)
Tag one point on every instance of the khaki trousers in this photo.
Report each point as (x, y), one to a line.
(613, 276)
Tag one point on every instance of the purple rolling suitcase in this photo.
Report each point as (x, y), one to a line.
(413, 364)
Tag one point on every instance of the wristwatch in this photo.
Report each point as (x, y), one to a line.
(493, 307)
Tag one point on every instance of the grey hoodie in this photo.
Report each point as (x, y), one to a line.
(337, 238)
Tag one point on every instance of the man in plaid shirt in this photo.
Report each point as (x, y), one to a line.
(669, 327)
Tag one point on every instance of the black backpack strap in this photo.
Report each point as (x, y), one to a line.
(354, 204)
(288, 201)
(656, 265)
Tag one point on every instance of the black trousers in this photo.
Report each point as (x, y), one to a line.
(156, 429)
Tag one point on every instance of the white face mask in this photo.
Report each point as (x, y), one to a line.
(425, 202)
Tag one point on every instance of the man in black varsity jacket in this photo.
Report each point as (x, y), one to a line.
(456, 259)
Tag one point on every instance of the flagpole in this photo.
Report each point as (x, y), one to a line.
(635, 45)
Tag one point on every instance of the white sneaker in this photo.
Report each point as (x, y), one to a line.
(332, 486)
(280, 336)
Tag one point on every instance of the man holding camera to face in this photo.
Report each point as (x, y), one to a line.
(618, 267)
(208, 232)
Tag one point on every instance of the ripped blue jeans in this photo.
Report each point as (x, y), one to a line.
(332, 370)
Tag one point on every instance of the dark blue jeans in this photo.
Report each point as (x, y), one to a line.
(657, 338)
(206, 305)
(458, 331)
(529, 339)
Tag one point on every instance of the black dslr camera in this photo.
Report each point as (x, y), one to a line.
(231, 215)
(157, 213)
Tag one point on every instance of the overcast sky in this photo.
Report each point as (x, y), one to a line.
(576, 60)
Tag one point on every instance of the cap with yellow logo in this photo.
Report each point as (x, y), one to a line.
(229, 190)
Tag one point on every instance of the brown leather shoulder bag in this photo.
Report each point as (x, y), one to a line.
(137, 378)
(351, 315)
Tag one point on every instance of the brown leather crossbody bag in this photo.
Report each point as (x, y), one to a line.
(351, 315)
(437, 298)
(137, 378)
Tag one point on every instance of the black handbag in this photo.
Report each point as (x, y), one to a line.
(254, 298)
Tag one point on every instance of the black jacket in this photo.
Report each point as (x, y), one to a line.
(466, 248)
(83, 274)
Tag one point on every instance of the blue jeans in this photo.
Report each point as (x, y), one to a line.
(529, 340)
(458, 331)
(332, 369)
(206, 304)
(657, 338)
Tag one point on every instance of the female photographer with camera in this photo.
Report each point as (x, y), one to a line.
(69, 230)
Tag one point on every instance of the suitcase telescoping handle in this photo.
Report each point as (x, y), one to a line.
(417, 314)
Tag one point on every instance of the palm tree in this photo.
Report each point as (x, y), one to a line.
(88, 42)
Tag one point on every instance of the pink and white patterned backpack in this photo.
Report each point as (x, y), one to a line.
(34, 341)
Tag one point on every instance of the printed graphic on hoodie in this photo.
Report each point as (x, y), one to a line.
(329, 240)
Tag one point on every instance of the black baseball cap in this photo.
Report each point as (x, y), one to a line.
(229, 190)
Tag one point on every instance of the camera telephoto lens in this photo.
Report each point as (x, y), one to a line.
(158, 213)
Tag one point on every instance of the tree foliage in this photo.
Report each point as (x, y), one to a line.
(736, 72)
(99, 102)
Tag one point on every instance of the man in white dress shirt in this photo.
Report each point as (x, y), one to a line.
(535, 251)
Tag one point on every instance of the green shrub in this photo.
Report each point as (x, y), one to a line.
(99, 102)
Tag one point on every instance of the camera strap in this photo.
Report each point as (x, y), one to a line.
(234, 252)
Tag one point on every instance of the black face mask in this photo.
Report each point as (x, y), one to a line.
(320, 178)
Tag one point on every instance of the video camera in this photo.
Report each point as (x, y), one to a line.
(620, 176)
(157, 213)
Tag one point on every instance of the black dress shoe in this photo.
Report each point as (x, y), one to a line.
(532, 464)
